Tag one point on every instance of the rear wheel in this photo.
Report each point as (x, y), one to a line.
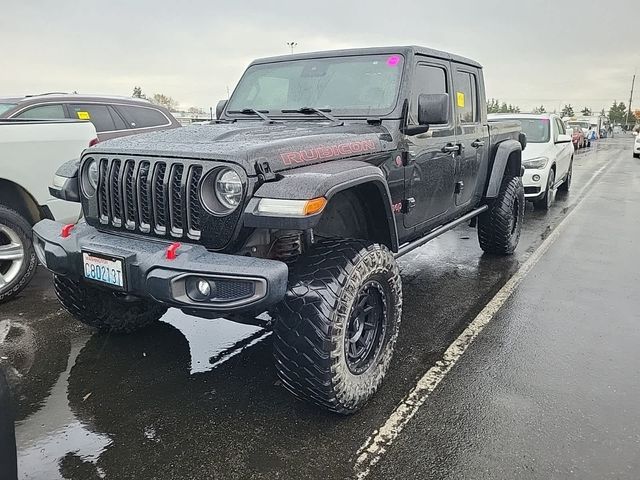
(106, 310)
(499, 227)
(336, 329)
(18, 262)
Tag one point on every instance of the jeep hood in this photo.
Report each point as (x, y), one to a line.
(283, 145)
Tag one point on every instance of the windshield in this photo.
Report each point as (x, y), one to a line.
(536, 129)
(358, 85)
(6, 106)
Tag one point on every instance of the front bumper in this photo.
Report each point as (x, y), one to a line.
(534, 189)
(150, 274)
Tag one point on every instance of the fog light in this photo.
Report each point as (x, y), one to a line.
(536, 178)
(204, 288)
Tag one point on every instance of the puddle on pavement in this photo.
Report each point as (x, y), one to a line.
(212, 342)
(53, 375)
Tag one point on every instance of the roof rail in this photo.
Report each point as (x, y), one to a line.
(46, 93)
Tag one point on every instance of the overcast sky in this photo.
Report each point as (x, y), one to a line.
(550, 52)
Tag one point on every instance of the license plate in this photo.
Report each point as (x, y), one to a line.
(101, 269)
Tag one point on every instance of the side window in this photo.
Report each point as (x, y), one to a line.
(142, 117)
(561, 129)
(97, 113)
(466, 97)
(43, 112)
(427, 79)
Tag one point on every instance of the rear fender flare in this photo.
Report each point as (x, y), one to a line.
(506, 150)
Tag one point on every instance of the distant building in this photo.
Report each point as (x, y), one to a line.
(186, 117)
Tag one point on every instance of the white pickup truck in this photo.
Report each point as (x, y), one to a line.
(30, 154)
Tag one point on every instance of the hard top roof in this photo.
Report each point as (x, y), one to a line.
(405, 50)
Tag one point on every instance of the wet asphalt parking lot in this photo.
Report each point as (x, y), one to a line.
(548, 389)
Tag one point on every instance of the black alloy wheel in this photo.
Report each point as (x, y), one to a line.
(366, 329)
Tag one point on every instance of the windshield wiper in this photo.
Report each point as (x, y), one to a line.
(253, 111)
(322, 112)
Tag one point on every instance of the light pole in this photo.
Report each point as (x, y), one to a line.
(292, 45)
(630, 100)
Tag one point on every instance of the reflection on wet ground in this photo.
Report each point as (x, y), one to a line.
(193, 398)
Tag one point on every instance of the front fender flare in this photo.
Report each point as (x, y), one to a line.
(320, 180)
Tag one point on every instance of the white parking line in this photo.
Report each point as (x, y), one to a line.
(372, 450)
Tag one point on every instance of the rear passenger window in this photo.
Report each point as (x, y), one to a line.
(43, 112)
(141, 117)
(98, 114)
(466, 97)
(428, 79)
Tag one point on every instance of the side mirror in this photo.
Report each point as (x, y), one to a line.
(65, 182)
(563, 139)
(433, 109)
(220, 108)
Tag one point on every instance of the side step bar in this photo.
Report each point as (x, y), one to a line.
(407, 247)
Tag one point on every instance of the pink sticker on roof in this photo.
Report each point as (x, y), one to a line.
(393, 60)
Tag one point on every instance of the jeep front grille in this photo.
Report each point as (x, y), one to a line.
(150, 197)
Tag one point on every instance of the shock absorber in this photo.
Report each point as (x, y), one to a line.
(287, 246)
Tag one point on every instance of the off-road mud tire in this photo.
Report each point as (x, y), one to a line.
(18, 224)
(104, 309)
(499, 227)
(313, 321)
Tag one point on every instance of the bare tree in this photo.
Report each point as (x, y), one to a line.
(164, 100)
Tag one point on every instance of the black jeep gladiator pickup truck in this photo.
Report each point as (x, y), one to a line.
(321, 170)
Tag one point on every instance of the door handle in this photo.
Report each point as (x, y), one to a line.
(450, 148)
(477, 143)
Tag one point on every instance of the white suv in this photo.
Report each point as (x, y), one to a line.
(548, 158)
(636, 146)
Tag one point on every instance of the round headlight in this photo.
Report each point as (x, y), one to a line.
(228, 186)
(92, 173)
(89, 177)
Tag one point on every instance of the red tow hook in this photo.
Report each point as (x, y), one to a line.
(172, 250)
(66, 230)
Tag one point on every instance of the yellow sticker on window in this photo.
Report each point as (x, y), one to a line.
(83, 115)
(460, 99)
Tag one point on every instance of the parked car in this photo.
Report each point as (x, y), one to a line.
(584, 126)
(112, 116)
(577, 137)
(30, 153)
(636, 145)
(548, 159)
(298, 200)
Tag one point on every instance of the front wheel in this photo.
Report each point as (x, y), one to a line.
(337, 326)
(566, 185)
(499, 227)
(106, 310)
(549, 194)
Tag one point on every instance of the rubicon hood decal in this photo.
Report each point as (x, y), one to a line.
(329, 152)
